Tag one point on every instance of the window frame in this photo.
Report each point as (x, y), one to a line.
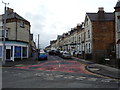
(22, 24)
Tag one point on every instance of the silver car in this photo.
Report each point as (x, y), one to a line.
(66, 55)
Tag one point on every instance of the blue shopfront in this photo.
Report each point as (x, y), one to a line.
(0, 51)
(15, 50)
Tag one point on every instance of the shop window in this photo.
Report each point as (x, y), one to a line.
(0, 51)
(24, 54)
(17, 52)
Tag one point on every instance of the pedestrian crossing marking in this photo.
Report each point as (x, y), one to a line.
(48, 76)
(106, 80)
(92, 79)
(80, 78)
(58, 76)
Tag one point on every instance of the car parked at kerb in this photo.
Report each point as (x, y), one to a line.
(66, 55)
(42, 56)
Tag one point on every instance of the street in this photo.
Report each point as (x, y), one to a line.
(54, 73)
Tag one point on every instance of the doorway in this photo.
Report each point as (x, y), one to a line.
(8, 54)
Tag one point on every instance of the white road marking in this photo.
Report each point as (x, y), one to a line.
(92, 79)
(71, 77)
(58, 76)
(65, 77)
(49, 76)
(80, 78)
(39, 74)
(106, 80)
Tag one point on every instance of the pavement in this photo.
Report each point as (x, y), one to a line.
(100, 69)
(90, 66)
(29, 61)
(104, 70)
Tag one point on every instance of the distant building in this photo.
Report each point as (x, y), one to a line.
(17, 36)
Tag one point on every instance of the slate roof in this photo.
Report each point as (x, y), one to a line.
(94, 16)
(14, 15)
(118, 4)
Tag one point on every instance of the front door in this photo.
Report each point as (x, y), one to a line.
(8, 54)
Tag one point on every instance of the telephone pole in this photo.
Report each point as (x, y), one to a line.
(4, 34)
(38, 41)
(38, 47)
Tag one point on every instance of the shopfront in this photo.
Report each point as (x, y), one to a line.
(0, 52)
(15, 50)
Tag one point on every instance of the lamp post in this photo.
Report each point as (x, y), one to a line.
(4, 34)
(38, 46)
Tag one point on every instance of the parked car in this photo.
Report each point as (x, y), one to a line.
(42, 56)
(52, 52)
(61, 52)
(66, 55)
(57, 52)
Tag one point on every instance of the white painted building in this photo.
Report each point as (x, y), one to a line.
(88, 35)
(117, 26)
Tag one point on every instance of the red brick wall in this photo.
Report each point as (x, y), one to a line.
(103, 38)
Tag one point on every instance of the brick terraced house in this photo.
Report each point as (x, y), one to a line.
(100, 34)
(97, 38)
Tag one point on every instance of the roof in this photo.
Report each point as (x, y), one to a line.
(118, 4)
(94, 16)
(14, 15)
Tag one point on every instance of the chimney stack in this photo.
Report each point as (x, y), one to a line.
(9, 10)
(101, 15)
(101, 9)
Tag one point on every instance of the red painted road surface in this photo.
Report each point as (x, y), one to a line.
(63, 66)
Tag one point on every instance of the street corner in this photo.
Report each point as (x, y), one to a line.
(103, 71)
(93, 69)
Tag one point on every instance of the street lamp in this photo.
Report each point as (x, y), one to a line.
(4, 33)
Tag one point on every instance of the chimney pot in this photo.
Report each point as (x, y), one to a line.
(9, 10)
(101, 14)
(101, 9)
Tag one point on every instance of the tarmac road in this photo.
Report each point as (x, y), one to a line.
(54, 73)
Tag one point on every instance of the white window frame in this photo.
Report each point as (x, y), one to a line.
(6, 33)
(22, 24)
(1, 24)
(88, 33)
(118, 25)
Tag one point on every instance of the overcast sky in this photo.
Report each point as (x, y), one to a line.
(50, 18)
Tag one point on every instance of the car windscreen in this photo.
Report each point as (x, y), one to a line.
(42, 54)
